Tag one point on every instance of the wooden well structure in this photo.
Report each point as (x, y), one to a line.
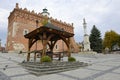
(49, 34)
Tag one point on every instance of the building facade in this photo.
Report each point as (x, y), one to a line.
(22, 21)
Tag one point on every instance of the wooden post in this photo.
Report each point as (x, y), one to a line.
(28, 56)
(44, 41)
(59, 56)
(35, 57)
(51, 48)
(44, 48)
(69, 48)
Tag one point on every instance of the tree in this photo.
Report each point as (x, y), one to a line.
(110, 39)
(119, 41)
(95, 40)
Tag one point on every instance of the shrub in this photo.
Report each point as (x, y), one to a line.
(46, 59)
(71, 59)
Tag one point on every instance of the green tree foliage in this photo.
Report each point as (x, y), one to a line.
(119, 41)
(96, 40)
(111, 38)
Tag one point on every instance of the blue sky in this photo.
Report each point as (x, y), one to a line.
(105, 14)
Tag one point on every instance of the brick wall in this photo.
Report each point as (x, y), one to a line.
(21, 21)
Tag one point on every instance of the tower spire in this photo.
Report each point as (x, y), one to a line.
(84, 26)
(86, 41)
(84, 22)
(17, 6)
(45, 12)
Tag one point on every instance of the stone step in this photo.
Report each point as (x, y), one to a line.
(50, 68)
(50, 72)
(50, 65)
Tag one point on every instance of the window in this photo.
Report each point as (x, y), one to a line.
(25, 31)
(56, 47)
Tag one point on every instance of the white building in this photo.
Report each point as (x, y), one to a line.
(86, 42)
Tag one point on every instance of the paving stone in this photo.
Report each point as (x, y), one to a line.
(14, 71)
(117, 71)
(79, 73)
(99, 67)
(4, 76)
(103, 67)
(108, 76)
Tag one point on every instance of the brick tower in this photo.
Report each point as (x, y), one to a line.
(22, 21)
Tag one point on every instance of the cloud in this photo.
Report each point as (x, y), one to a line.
(3, 24)
(104, 14)
(3, 15)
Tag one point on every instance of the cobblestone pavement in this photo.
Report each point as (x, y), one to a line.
(102, 67)
(3, 76)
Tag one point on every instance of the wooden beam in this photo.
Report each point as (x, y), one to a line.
(32, 41)
(67, 42)
(52, 44)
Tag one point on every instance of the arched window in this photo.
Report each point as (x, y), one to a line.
(56, 47)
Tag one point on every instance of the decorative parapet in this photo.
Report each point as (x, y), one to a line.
(25, 13)
(60, 22)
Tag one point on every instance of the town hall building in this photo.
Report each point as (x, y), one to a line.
(22, 21)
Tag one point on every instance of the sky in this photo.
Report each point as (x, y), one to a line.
(105, 14)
